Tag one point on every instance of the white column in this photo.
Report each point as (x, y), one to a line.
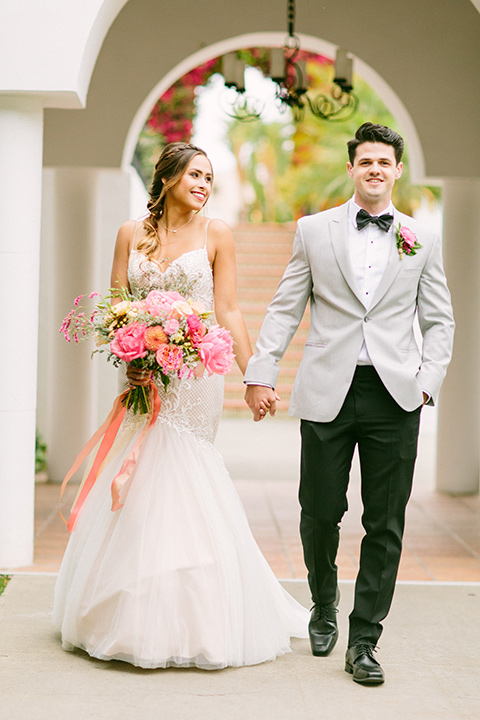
(82, 211)
(459, 407)
(21, 141)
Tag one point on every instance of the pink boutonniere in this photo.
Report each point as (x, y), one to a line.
(407, 242)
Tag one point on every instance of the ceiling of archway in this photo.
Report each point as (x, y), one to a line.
(430, 58)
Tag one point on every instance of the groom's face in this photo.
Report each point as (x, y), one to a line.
(374, 172)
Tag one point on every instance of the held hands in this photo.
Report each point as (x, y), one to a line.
(261, 400)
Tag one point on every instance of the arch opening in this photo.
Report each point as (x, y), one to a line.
(275, 39)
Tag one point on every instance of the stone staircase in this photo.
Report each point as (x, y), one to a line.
(263, 252)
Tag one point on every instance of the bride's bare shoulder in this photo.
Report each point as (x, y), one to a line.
(129, 233)
(218, 229)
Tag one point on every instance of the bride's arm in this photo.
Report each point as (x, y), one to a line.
(119, 276)
(222, 257)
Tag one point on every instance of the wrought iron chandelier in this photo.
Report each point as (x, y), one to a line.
(290, 76)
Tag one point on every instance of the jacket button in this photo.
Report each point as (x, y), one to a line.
(366, 318)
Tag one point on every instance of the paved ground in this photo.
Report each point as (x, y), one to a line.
(429, 650)
(429, 654)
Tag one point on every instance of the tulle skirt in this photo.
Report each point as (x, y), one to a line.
(173, 578)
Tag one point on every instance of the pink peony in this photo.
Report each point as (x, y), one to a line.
(216, 350)
(196, 329)
(408, 237)
(171, 326)
(169, 357)
(129, 343)
(159, 303)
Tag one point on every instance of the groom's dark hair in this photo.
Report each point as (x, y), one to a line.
(369, 132)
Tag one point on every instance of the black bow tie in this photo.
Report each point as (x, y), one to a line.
(384, 222)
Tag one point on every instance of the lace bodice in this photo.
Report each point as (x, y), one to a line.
(191, 404)
(145, 275)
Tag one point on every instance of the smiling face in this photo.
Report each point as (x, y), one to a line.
(374, 172)
(194, 187)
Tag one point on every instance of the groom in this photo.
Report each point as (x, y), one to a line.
(367, 270)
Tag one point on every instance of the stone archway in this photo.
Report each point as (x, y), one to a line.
(123, 147)
(47, 63)
(275, 39)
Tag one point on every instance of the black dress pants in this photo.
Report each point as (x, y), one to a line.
(386, 436)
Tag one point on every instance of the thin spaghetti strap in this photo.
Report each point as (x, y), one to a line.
(206, 230)
(134, 235)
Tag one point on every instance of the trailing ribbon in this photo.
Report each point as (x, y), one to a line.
(130, 461)
(109, 430)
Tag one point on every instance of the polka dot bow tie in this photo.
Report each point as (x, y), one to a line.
(384, 222)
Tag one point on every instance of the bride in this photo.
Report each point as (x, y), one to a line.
(175, 578)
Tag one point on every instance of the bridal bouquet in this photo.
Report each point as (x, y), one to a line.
(165, 334)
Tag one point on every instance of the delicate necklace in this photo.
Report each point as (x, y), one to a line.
(179, 228)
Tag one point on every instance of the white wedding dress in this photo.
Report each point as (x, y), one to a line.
(173, 578)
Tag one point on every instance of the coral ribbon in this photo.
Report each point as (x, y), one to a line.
(108, 430)
(130, 461)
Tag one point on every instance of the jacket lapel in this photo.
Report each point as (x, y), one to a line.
(339, 238)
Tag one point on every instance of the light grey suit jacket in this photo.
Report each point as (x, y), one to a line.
(320, 270)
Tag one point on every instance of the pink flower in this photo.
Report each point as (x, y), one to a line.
(129, 343)
(171, 326)
(158, 302)
(169, 357)
(216, 350)
(77, 300)
(407, 242)
(196, 329)
(197, 307)
(182, 308)
(408, 237)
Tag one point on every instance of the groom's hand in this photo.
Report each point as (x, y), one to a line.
(261, 400)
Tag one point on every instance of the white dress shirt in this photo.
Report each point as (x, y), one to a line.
(369, 250)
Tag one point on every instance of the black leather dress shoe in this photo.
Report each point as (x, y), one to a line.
(360, 663)
(323, 629)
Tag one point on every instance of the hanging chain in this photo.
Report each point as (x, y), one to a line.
(292, 90)
(291, 17)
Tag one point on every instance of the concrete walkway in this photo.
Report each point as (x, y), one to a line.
(430, 655)
(429, 650)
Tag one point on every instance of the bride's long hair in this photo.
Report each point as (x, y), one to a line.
(170, 167)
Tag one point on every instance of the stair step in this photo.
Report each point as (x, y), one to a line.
(265, 271)
(263, 252)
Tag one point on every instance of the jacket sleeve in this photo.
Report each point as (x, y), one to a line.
(436, 322)
(283, 316)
